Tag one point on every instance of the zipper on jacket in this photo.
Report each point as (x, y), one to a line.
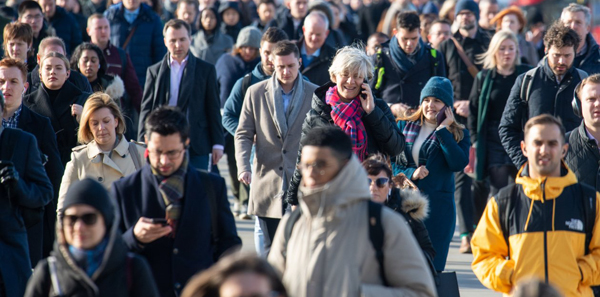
(545, 231)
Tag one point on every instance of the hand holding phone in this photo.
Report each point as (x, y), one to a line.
(366, 99)
(441, 115)
(161, 221)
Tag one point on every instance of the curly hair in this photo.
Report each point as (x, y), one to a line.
(559, 36)
(408, 20)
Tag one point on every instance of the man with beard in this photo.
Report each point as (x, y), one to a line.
(545, 225)
(547, 88)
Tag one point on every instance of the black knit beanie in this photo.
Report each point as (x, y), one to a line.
(89, 192)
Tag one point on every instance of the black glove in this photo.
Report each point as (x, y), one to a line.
(9, 176)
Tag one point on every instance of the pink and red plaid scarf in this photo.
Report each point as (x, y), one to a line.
(348, 117)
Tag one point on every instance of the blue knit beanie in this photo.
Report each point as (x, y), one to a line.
(467, 5)
(440, 88)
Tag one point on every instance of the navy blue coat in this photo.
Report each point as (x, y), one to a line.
(175, 261)
(146, 46)
(229, 70)
(36, 191)
(67, 28)
(590, 62)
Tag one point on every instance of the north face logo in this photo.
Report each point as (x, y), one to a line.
(575, 224)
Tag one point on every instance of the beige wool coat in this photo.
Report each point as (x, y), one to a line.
(275, 154)
(88, 161)
(329, 252)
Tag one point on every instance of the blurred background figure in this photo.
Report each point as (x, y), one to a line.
(535, 288)
(374, 42)
(512, 19)
(488, 9)
(439, 31)
(209, 44)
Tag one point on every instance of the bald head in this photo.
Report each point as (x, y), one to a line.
(315, 29)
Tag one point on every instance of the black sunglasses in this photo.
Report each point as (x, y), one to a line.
(380, 182)
(89, 219)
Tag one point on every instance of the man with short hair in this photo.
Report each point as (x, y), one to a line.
(173, 214)
(233, 109)
(488, 9)
(271, 120)
(137, 29)
(118, 63)
(266, 15)
(18, 39)
(292, 18)
(579, 18)
(316, 54)
(30, 12)
(546, 225)
(13, 82)
(439, 31)
(374, 42)
(187, 10)
(23, 185)
(547, 88)
(404, 65)
(329, 246)
(54, 44)
(65, 24)
(189, 83)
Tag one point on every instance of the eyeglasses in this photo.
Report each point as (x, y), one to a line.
(170, 154)
(319, 166)
(379, 182)
(88, 219)
(33, 17)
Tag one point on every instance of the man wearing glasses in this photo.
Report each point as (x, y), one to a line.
(174, 215)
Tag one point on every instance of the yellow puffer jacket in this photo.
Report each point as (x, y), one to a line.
(546, 238)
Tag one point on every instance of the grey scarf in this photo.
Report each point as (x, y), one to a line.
(283, 118)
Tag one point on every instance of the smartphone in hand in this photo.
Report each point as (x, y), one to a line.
(161, 221)
(441, 116)
(363, 96)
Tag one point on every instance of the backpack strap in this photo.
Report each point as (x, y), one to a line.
(505, 200)
(246, 80)
(54, 276)
(588, 195)
(212, 201)
(434, 64)
(289, 226)
(376, 236)
(379, 70)
(582, 74)
(527, 82)
(135, 155)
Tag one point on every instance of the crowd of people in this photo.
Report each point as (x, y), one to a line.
(357, 135)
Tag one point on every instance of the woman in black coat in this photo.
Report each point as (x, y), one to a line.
(59, 100)
(90, 258)
(411, 204)
(348, 102)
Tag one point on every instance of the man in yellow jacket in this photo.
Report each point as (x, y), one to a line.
(545, 225)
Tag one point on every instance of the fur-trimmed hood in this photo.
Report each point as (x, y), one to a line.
(115, 88)
(411, 202)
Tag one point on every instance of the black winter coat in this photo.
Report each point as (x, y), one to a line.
(317, 71)
(590, 62)
(397, 86)
(76, 78)
(583, 157)
(383, 136)
(67, 28)
(546, 96)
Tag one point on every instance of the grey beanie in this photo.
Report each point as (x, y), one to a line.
(249, 36)
(89, 192)
(440, 88)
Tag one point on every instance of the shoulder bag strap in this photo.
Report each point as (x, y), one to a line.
(126, 43)
(461, 52)
(135, 155)
(289, 226)
(376, 235)
(54, 276)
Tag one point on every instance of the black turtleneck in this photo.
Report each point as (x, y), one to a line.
(52, 94)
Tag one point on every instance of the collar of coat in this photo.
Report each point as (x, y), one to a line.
(553, 186)
(94, 150)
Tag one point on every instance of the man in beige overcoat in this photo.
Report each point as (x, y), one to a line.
(271, 119)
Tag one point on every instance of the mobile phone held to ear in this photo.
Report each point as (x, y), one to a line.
(159, 221)
(441, 116)
(363, 96)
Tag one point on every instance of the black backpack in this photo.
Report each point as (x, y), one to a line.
(375, 233)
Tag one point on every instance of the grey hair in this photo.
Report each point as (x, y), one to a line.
(352, 60)
(488, 59)
(317, 15)
(574, 7)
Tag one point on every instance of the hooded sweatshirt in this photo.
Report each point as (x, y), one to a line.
(329, 252)
(546, 237)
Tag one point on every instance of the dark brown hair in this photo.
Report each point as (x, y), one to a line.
(408, 20)
(545, 119)
(177, 24)
(559, 36)
(286, 47)
(375, 164)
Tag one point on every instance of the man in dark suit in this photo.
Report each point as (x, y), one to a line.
(16, 115)
(23, 184)
(192, 88)
(199, 225)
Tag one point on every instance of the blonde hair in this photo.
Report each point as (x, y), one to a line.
(488, 59)
(55, 55)
(455, 128)
(95, 102)
(352, 60)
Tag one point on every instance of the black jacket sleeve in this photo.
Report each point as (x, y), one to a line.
(143, 282)
(148, 98)
(383, 128)
(474, 107)
(511, 125)
(228, 237)
(39, 283)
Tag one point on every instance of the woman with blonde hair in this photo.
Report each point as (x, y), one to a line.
(436, 147)
(105, 155)
(501, 67)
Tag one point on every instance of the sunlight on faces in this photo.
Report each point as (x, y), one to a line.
(99, 31)
(408, 40)
(576, 21)
(315, 33)
(186, 12)
(246, 284)
(208, 20)
(165, 153)
(561, 59)
(103, 125)
(54, 73)
(438, 33)
(247, 53)
(590, 104)
(35, 19)
(12, 86)
(131, 5)
(298, 8)
(348, 85)
(506, 54)
(177, 42)
(48, 6)
(17, 49)
(266, 12)
(318, 166)
(374, 44)
(487, 12)
(378, 194)
(89, 64)
(79, 234)
(286, 68)
(511, 22)
(431, 107)
(266, 48)
(466, 19)
(231, 17)
(544, 148)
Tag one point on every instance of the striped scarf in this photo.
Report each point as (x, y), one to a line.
(348, 117)
(411, 132)
(172, 188)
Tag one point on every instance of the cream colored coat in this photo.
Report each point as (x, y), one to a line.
(88, 161)
(275, 154)
(329, 252)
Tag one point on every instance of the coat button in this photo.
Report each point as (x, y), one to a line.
(175, 251)
(284, 151)
(280, 168)
(100, 179)
(177, 286)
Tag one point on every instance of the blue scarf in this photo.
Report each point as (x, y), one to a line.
(403, 61)
(89, 260)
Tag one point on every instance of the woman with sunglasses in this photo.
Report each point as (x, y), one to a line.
(90, 258)
(412, 205)
(106, 155)
(436, 147)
